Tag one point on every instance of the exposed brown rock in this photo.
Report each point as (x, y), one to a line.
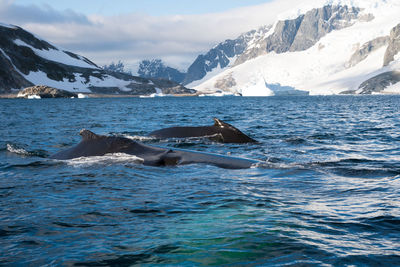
(45, 92)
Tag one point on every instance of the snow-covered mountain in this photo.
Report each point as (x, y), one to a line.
(221, 57)
(157, 69)
(205, 66)
(28, 60)
(319, 47)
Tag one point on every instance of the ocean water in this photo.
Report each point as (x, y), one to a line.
(327, 193)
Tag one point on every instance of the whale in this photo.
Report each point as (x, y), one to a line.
(93, 144)
(220, 132)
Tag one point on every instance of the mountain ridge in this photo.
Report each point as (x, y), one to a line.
(157, 69)
(339, 49)
(217, 58)
(302, 31)
(28, 60)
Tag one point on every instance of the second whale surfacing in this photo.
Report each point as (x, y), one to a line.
(99, 145)
(221, 131)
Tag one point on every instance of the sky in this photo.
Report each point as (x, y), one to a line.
(176, 31)
(151, 7)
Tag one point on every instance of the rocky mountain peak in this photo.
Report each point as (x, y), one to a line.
(394, 45)
(302, 32)
(157, 69)
(223, 54)
(27, 60)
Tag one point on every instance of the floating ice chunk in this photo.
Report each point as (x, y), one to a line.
(82, 96)
(34, 97)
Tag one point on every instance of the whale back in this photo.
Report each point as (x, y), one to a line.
(99, 145)
(94, 145)
(220, 131)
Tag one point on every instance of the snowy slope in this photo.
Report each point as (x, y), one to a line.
(57, 55)
(213, 72)
(324, 68)
(221, 57)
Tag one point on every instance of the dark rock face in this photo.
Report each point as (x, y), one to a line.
(45, 92)
(394, 45)
(302, 32)
(317, 23)
(24, 60)
(377, 84)
(380, 82)
(19, 59)
(171, 87)
(221, 55)
(225, 83)
(366, 49)
(9, 78)
(167, 87)
(157, 69)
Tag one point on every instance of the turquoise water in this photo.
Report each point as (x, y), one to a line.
(327, 193)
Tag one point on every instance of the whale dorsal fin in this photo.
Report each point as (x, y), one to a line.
(221, 124)
(88, 135)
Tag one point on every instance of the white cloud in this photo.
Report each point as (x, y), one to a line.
(132, 37)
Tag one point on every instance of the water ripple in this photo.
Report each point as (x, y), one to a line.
(325, 194)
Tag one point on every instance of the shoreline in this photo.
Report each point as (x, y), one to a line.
(94, 95)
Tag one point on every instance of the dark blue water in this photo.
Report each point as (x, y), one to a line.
(327, 193)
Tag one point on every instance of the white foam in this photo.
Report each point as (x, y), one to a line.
(105, 160)
(32, 96)
(138, 137)
(19, 151)
(217, 94)
(82, 96)
(158, 93)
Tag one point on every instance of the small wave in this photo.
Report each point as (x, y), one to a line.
(295, 140)
(367, 260)
(74, 225)
(150, 256)
(105, 160)
(359, 167)
(373, 224)
(366, 172)
(384, 222)
(14, 230)
(96, 125)
(322, 136)
(97, 214)
(30, 243)
(35, 164)
(206, 139)
(184, 145)
(275, 165)
(146, 211)
(351, 167)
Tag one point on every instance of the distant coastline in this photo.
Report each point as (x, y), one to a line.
(90, 95)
